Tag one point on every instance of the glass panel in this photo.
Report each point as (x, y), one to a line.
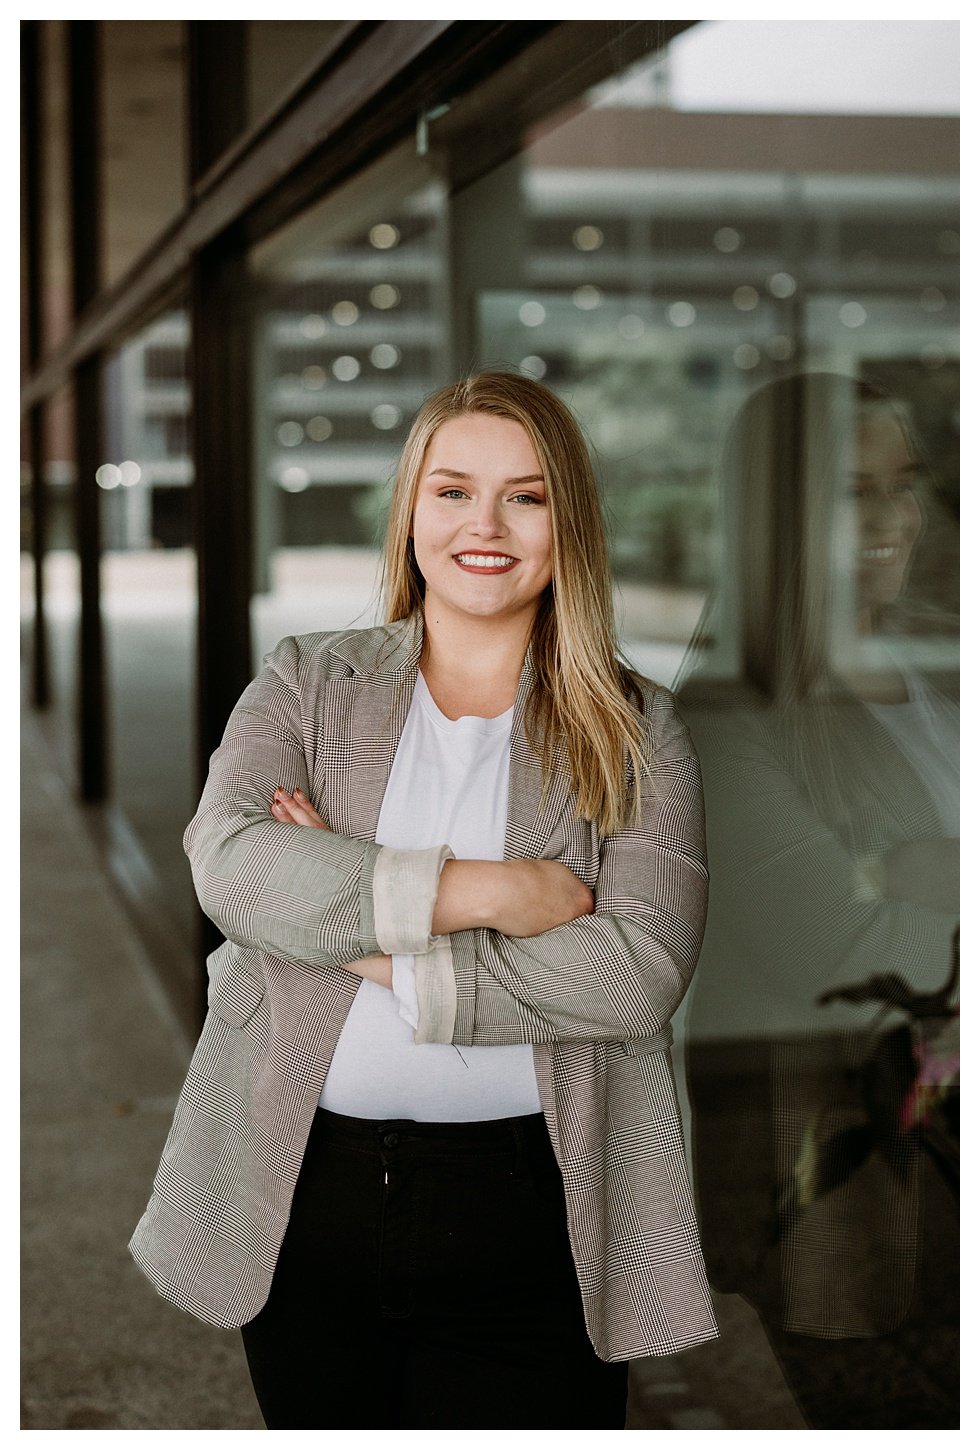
(663, 278)
(349, 338)
(144, 131)
(61, 584)
(149, 597)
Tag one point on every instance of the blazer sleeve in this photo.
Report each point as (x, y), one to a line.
(310, 895)
(616, 975)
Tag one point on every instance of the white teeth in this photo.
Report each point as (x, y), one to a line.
(485, 561)
(890, 553)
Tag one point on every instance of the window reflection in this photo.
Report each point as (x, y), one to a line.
(61, 575)
(149, 593)
(665, 279)
(349, 338)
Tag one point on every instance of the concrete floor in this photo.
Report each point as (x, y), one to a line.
(101, 1066)
(102, 1062)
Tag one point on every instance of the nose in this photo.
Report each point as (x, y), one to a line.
(881, 514)
(487, 521)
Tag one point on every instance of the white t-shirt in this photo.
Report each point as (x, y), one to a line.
(448, 784)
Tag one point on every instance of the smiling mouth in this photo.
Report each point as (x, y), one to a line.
(485, 563)
(887, 555)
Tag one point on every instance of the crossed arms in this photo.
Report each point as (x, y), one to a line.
(513, 951)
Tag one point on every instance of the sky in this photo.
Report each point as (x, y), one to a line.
(891, 67)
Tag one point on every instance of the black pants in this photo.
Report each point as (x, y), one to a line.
(426, 1282)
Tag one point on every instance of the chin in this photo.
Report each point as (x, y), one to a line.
(879, 593)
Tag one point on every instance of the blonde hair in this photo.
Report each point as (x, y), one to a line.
(582, 714)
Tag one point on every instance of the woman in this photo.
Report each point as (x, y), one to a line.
(459, 862)
(819, 1029)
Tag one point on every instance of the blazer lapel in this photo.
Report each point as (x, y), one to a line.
(378, 704)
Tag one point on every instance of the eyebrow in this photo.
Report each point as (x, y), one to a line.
(455, 473)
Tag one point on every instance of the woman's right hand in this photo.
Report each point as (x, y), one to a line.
(518, 898)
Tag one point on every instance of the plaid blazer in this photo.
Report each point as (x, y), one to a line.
(595, 997)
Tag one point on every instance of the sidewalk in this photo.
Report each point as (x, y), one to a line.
(101, 1066)
(102, 1063)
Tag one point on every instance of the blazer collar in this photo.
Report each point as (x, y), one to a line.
(389, 649)
(395, 649)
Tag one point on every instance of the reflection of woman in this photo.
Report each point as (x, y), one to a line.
(822, 1029)
(480, 1124)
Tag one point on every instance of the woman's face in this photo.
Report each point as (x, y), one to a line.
(481, 527)
(888, 518)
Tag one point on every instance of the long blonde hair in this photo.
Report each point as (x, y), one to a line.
(582, 713)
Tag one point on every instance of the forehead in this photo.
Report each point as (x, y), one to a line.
(484, 441)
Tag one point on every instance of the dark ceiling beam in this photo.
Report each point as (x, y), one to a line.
(360, 77)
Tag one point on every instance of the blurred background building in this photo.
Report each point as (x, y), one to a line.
(251, 248)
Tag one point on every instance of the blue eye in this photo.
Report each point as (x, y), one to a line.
(527, 498)
(452, 493)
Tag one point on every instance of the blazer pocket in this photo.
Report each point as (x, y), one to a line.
(233, 993)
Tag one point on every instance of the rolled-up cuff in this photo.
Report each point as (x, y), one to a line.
(435, 989)
(404, 888)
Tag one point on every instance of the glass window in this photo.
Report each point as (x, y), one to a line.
(657, 247)
(149, 591)
(679, 237)
(61, 579)
(349, 337)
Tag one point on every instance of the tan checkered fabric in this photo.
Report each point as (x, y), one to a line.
(594, 997)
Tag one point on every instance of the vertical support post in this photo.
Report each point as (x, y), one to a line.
(32, 161)
(86, 214)
(221, 426)
(221, 435)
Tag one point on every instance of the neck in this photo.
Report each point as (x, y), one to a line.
(472, 666)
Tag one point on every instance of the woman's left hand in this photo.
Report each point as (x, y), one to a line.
(296, 809)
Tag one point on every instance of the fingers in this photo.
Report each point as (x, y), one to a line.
(296, 809)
